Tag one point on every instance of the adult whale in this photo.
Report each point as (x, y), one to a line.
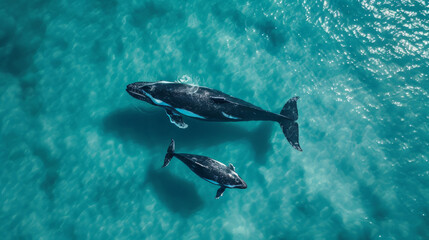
(212, 105)
(208, 169)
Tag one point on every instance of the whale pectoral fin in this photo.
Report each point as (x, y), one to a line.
(230, 166)
(220, 192)
(219, 100)
(176, 118)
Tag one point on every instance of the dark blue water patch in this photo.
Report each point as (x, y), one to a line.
(224, 12)
(345, 166)
(31, 96)
(271, 35)
(7, 29)
(161, 15)
(141, 16)
(373, 203)
(276, 35)
(19, 47)
(18, 59)
(51, 166)
(22, 8)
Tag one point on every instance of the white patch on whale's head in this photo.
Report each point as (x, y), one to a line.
(141, 90)
(136, 90)
(235, 181)
(144, 91)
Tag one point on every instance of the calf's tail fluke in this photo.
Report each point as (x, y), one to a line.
(170, 153)
(289, 126)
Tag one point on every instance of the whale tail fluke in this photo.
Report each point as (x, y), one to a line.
(289, 126)
(170, 153)
(290, 110)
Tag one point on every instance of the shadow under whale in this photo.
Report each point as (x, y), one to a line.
(178, 195)
(153, 129)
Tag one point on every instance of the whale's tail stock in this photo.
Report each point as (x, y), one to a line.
(170, 153)
(289, 126)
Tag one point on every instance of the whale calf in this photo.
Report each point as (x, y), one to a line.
(212, 105)
(208, 169)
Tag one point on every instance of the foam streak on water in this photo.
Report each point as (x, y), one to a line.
(81, 158)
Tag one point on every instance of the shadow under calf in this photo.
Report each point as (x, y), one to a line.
(153, 129)
(178, 195)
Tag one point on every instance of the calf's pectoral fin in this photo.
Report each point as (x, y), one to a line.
(176, 118)
(220, 192)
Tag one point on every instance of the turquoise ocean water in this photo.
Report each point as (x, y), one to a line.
(80, 158)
